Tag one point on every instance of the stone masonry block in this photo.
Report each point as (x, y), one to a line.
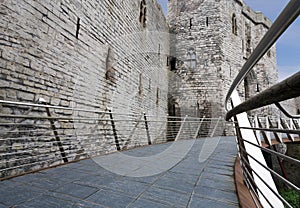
(55, 101)
(25, 96)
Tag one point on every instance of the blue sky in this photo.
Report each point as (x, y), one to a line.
(288, 46)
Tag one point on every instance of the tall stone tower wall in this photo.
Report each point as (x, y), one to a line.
(211, 41)
(250, 28)
(195, 36)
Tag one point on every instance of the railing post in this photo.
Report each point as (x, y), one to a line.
(147, 129)
(161, 132)
(264, 134)
(268, 134)
(60, 146)
(215, 128)
(286, 126)
(180, 129)
(279, 127)
(114, 130)
(296, 125)
(199, 126)
(132, 132)
(257, 132)
(280, 163)
(292, 127)
(274, 133)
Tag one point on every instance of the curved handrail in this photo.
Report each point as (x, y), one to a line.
(287, 17)
(252, 159)
(287, 89)
(287, 114)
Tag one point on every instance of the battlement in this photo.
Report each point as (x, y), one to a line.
(256, 17)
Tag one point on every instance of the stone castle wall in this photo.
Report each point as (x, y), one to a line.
(251, 27)
(92, 55)
(206, 29)
(197, 91)
(119, 55)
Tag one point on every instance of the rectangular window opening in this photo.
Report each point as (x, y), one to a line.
(157, 96)
(77, 28)
(158, 49)
(140, 85)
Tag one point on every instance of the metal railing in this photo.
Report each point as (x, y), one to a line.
(256, 139)
(35, 136)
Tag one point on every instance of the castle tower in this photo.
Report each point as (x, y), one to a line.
(211, 41)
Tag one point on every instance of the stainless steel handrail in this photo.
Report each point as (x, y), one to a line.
(287, 17)
(287, 89)
(282, 109)
(252, 161)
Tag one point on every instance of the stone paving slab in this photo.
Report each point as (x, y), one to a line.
(187, 183)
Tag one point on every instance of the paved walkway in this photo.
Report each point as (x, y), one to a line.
(191, 182)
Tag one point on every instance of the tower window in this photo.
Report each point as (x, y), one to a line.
(157, 96)
(143, 11)
(173, 63)
(247, 88)
(191, 23)
(158, 49)
(191, 60)
(234, 24)
(77, 27)
(140, 85)
(248, 38)
(248, 47)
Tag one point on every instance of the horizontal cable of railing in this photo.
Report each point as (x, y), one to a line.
(287, 131)
(274, 173)
(249, 184)
(250, 180)
(248, 169)
(249, 175)
(35, 136)
(286, 157)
